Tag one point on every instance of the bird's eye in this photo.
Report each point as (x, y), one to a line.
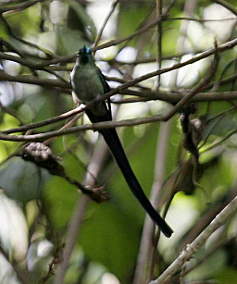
(87, 50)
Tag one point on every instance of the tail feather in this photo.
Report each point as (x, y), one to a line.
(113, 141)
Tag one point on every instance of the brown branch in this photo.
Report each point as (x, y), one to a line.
(199, 20)
(195, 90)
(44, 122)
(168, 97)
(114, 5)
(190, 249)
(71, 235)
(20, 6)
(56, 133)
(146, 244)
(211, 51)
(151, 59)
(27, 63)
(74, 226)
(139, 32)
(31, 44)
(173, 98)
(34, 80)
(159, 5)
(57, 83)
(95, 126)
(227, 6)
(50, 82)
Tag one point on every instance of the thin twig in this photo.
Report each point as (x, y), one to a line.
(220, 141)
(70, 123)
(74, 227)
(72, 233)
(57, 83)
(34, 80)
(145, 249)
(159, 38)
(45, 122)
(195, 90)
(114, 5)
(199, 20)
(227, 6)
(210, 251)
(118, 41)
(12, 34)
(174, 98)
(168, 97)
(20, 6)
(191, 249)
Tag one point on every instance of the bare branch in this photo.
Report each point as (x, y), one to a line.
(226, 5)
(199, 20)
(20, 6)
(114, 5)
(34, 80)
(74, 227)
(57, 83)
(146, 244)
(190, 249)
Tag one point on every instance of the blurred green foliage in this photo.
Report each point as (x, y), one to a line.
(110, 232)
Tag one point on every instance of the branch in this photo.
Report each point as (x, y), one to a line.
(114, 5)
(159, 5)
(40, 137)
(146, 244)
(43, 122)
(220, 141)
(34, 80)
(28, 43)
(199, 20)
(74, 227)
(20, 6)
(94, 126)
(59, 84)
(187, 253)
(195, 90)
(72, 233)
(211, 51)
(168, 97)
(173, 98)
(227, 6)
(118, 41)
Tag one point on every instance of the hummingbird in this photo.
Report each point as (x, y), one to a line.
(89, 84)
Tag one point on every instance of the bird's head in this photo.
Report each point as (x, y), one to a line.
(85, 55)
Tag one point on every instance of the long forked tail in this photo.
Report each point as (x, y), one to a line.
(112, 140)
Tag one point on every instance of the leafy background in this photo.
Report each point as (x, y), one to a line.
(36, 207)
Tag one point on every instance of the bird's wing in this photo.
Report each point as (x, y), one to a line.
(106, 89)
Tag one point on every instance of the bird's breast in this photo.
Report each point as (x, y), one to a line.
(86, 84)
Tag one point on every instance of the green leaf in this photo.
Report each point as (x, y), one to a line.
(79, 20)
(22, 180)
(227, 276)
(110, 236)
(25, 22)
(128, 21)
(60, 197)
(69, 41)
(221, 126)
